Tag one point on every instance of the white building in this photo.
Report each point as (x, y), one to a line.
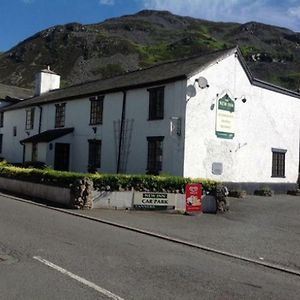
(202, 117)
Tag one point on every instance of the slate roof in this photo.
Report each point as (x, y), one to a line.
(155, 75)
(47, 136)
(11, 93)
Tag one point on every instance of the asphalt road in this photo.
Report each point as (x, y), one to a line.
(255, 227)
(125, 263)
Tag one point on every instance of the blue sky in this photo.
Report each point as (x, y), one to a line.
(20, 19)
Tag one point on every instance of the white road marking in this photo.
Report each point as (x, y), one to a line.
(78, 278)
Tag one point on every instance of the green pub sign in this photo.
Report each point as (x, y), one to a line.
(225, 118)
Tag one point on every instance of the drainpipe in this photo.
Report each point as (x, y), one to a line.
(121, 131)
(40, 119)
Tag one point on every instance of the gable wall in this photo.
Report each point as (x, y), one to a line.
(267, 120)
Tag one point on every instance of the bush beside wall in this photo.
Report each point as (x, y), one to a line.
(103, 182)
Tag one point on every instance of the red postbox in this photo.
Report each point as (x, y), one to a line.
(193, 195)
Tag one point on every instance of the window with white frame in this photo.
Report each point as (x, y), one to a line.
(29, 119)
(96, 114)
(60, 115)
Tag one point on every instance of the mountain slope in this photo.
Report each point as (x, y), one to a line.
(86, 52)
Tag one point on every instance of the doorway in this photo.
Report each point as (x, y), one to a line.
(62, 156)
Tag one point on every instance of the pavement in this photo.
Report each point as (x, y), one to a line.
(259, 228)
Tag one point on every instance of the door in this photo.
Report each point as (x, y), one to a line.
(62, 155)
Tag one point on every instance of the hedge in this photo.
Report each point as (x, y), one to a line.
(103, 182)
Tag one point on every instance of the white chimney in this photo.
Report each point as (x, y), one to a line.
(46, 81)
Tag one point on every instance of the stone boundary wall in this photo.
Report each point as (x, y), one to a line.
(80, 195)
(36, 190)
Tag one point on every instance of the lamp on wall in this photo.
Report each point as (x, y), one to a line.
(27, 132)
(94, 129)
(242, 98)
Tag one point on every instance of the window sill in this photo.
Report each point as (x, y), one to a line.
(95, 124)
(156, 119)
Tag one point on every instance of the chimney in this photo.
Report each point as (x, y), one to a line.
(46, 81)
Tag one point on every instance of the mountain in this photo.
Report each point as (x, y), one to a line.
(85, 52)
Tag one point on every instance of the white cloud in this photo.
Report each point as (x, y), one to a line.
(282, 13)
(294, 12)
(106, 2)
(193, 7)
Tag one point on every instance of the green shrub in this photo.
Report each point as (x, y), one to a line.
(237, 193)
(103, 182)
(264, 191)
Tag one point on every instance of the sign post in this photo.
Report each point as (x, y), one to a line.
(193, 194)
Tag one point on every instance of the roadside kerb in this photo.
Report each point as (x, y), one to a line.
(164, 237)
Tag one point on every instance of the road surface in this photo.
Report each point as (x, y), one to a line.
(46, 254)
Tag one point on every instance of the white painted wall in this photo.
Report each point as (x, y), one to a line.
(12, 149)
(137, 110)
(137, 104)
(267, 120)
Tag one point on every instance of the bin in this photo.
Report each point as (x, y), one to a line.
(209, 204)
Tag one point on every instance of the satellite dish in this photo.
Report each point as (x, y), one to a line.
(202, 82)
(191, 91)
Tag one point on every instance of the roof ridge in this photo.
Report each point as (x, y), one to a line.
(150, 67)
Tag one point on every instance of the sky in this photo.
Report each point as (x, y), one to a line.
(20, 19)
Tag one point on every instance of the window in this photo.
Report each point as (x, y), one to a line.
(278, 162)
(15, 131)
(60, 115)
(96, 110)
(29, 119)
(156, 103)
(1, 142)
(155, 154)
(94, 155)
(1, 118)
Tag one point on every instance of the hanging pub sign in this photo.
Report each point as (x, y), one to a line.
(225, 117)
(193, 194)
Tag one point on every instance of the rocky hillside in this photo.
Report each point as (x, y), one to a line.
(85, 52)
